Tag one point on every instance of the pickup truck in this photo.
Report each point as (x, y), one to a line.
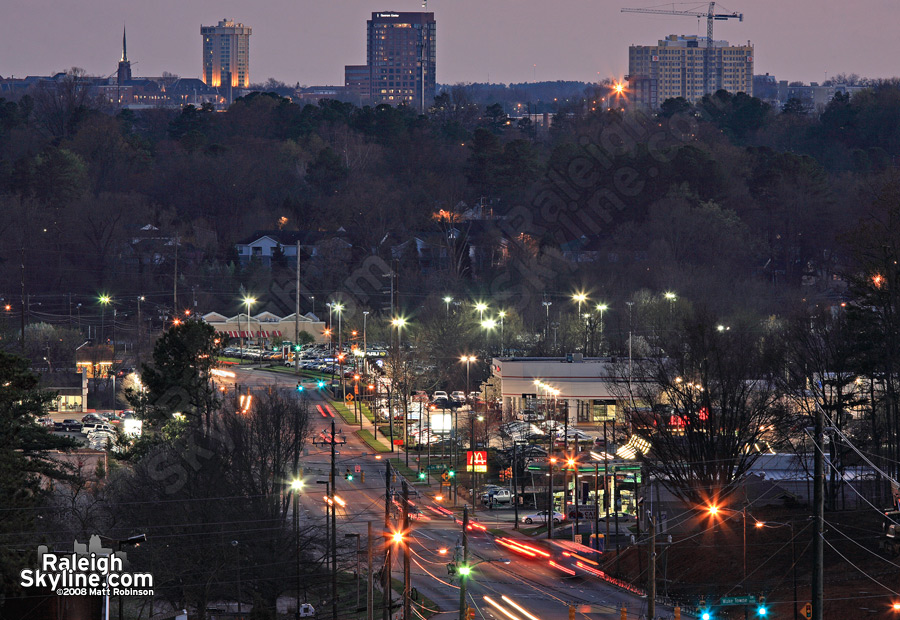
(96, 426)
(67, 425)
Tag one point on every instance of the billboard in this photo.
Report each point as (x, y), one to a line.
(441, 422)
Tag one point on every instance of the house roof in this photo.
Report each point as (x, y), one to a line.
(291, 237)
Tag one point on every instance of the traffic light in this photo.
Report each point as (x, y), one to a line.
(451, 473)
(299, 387)
(762, 611)
(706, 616)
(297, 348)
(320, 383)
(348, 476)
(421, 475)
(464, 570)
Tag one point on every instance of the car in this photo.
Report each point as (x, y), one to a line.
(420, 396)
(91, 417)
(73, 426)
(541, 517)
(440, 394)
(458, 396)
(46, 422)
(623, 517)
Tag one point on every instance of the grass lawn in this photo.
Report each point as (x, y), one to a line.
(373, 443)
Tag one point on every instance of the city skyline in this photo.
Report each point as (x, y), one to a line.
(498, 42)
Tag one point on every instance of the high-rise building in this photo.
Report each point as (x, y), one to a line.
(679, 66)
(356, 83)
(400, 60)
(226, 56)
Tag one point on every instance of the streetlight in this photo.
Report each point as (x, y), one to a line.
(467, 359)
(481, 307)
(399, 322)
(488, 324)
(601, 308)
(775, 524)
(104, 301)
(580, 298)
(502, 315)
(249, 301)
(296, 487)
(447, 301)
(365, 345)
(337, 307)
(715, 510)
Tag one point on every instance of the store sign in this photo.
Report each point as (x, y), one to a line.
(476, 461)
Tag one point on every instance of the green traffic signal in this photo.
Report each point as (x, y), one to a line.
(350, 477)
(464, 570)
(451, 473)
(299, 387)
(321, 384)
(297, 348)
(421, 475)
(761, 611)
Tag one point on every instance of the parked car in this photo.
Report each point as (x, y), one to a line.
(72, 426)
(439, 395)
(92, 418)
(46, 422)
(458, 396)
(541, 517)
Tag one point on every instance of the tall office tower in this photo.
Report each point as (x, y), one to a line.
(124, 73)
(401, 58)
(677, 65)
(226, 56)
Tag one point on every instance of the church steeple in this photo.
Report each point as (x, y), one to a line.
(124, 73)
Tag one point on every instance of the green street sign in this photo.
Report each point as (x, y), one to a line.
(746, 599)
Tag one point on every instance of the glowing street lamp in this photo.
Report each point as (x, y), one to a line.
(481, 307)
(249, 301)
(447, 301)
(502, 315)
(467, 359)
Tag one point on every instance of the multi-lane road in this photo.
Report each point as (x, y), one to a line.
(502, 585)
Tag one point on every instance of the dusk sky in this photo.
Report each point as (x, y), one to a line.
(496, 40)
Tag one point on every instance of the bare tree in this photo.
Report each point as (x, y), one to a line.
(702, 399)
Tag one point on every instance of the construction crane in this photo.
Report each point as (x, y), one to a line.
(711, 16)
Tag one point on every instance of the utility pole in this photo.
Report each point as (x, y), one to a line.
(463, 569)
(297, 317)
(175, 284)
(515, 466)
(651, 571)
(818, 573)
(597, 506)
(370, 599)
(550, 491)
(407, 614)
(386, 571)
(334, 597)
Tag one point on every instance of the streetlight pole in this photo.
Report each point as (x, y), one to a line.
(502, 315)
(296, 487)
(447, 301)
(365, 345)
(580, 298)
(601, 308)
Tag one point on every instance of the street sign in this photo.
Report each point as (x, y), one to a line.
(357, 468)
(349, 397)
(476, 461)
(434, 467)
(745, 599)
(807, 611)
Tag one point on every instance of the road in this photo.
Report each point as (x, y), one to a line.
(499, 579)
